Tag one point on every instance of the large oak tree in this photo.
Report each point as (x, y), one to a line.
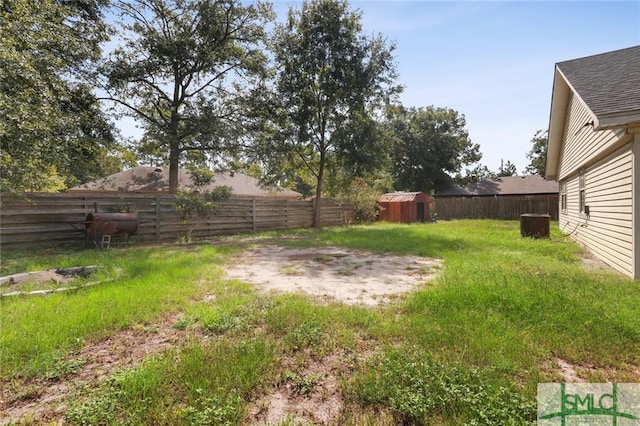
(179, 67)
(431, 146)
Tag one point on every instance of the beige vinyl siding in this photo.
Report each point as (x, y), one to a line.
(607, 232)
(581, 143)
(635, 212)
(569, 219)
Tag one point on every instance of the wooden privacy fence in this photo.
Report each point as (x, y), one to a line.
(48, 219)
(496, 207)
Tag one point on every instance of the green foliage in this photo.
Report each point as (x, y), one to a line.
(207, 411)
(477, 174)
(364, 197)
(538, 153)
(330, 80)
(201, 176)
(100, 410)
(219, 321)
(53, 132)
(193, 206)
(190, 205)
(302, 384)
(430, 146)
(306, 335)
(62, 368)
(507, 169)
(418, 389)
(198, 204)
(180, 66)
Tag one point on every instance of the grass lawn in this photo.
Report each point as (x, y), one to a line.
(468, 347)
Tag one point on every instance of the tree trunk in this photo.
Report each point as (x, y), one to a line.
(174, 139)
(174, 165)
(174, 150)
(317, 210)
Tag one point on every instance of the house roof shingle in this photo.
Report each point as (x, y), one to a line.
(609, 83)
(609, 86)
(142, 178)
(510, 185)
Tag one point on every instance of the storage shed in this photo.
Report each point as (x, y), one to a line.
(404, 207)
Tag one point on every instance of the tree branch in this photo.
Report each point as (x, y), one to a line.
(132, 108)
(308, 165)
(209, 82)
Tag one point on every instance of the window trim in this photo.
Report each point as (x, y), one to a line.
(582, 194)
(563, 196)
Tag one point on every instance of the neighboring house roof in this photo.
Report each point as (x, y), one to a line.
(509, 185)
(400, 197)
(608, 84)
(142, 179)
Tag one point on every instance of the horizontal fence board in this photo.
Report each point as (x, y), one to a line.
(39, 228)
(42, 238)
(39, 211)
(501, 207)
(52, 219)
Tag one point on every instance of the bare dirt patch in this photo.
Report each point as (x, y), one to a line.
(593, 264)
(38, 401)
(309, 392)
(568, 371)
(347, 276)
(580, 373)
(305, 395)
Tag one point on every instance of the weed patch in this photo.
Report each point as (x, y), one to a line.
(306, 335)
(302, 384)
(205, 384)
(416, 388)
(208, 411)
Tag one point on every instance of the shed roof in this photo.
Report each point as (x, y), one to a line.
(400, 197)
(143, 178)
(509, 185)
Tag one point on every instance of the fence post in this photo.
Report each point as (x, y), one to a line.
(286, 213)
(157, 218)
(254, 214)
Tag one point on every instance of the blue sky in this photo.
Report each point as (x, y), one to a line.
(494, 61)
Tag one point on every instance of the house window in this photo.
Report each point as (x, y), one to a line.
(581, 190)
(563, 196)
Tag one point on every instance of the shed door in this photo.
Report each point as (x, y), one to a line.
(420, 211)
